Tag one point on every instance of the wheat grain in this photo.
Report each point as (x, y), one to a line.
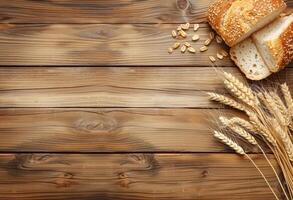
(238, 130)
(226, 101)
(224, 139)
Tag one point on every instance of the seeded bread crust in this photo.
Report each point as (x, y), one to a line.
(232, 19)
(282, 48)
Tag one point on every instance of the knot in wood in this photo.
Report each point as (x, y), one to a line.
(183, 4)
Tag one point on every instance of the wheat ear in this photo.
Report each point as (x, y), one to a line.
(261, 129)
(226, 101)
(238, 93)
(282, 108)
(242, 122)
(288, 98)
(246, 90)
(285, 138)
(224, 139)
(238, 130)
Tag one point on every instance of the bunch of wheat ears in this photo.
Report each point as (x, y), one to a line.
(269, 113)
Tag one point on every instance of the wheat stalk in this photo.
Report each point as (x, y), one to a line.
(238, 130)
(224, 139)
(270, 117)
(226, 101)
(261, 128)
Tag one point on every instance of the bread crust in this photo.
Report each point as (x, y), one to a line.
(282, 48)
(232, 19)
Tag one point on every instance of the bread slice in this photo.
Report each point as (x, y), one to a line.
(275, 43)
(248, 59)
(236, 20)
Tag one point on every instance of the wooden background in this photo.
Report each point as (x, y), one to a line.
(93, 107)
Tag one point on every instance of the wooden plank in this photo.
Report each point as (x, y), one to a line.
(134, 176)
(110, 130)
(99, 45)
(104, 11)
(115, 86)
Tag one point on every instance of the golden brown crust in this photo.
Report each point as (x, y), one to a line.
(216, 12)
(233, 19)
(282, 48)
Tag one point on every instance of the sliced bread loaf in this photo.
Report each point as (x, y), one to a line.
(236, 20)
(275, 43)
(248, 59)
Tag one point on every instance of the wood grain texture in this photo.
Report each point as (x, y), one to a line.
(115, 86)
(101, 11)
(133, 176)
(99, 45)
(110, 130)
(88, 11)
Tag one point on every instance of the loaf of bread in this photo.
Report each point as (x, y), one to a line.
(236, 20)
(267, 51)
(275, 43)
(247, 58)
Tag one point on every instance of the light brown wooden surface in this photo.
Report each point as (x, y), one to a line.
(99, 44)
(116, 86)
(133, 176)
(109, 130)
(93, 107)
(105, 11)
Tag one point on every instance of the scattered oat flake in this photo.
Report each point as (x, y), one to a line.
(212, 58)
(183, 33)
(195, 37)
(224, 53)
(219, 39)
(187, 44)
(170, 50)
(191, 49)
(185, 26)
(212, 35)
(195, 27)
(220, 56)
(179, 28)
(183, 49)
(174, 34)
(208, 42)
(176, 45)
(203, 48)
